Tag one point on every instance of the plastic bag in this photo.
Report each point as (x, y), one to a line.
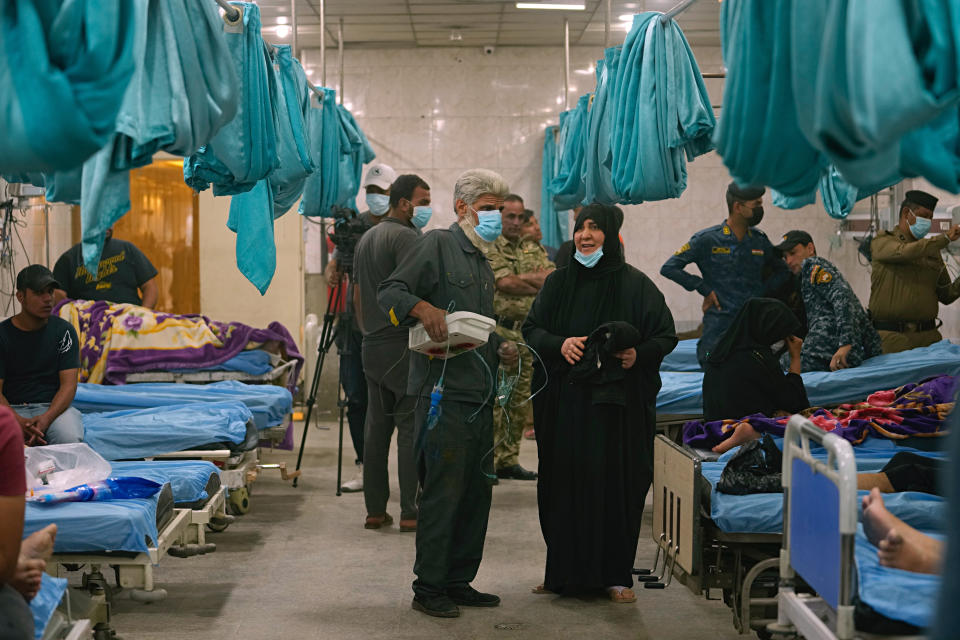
(61, 466)
(46, 602)
(122, 488)
(755, 468)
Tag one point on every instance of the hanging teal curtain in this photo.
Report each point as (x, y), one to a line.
(355, 152)
(239, 159)
(293, 144)
(662, 115)
(567, 186)
(64, 69)
(838, 195)
(323, 126)
(758, 135)
(180, 95)
(597, 178)
(553, 224)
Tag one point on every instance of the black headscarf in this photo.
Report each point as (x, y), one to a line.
(610, 268)
(760, 323)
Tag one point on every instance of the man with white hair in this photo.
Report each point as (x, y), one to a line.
(446, 271)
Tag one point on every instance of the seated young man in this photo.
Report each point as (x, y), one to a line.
(39, 363)
(839, 332)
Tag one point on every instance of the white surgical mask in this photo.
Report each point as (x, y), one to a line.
(378, 203)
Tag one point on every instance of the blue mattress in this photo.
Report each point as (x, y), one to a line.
(682, 358)
(187, 478)
(255, 362)
(894, 593)
(682, 392)
(270, 404)
(142, 433)
(84, 527)
(763, 512)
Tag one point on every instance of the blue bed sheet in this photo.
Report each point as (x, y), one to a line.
(142, 433)
(270, 404)
(83, 527)
(894, 593)
(187, 478)
(763, 512)
(254, 362)
(682, 358)
(45, 602)
(682, 392)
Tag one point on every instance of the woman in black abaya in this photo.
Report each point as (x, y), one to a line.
(595, 420)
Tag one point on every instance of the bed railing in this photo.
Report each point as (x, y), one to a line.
(819, 525)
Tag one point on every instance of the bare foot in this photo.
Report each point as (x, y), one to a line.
(622, 595)
(540, 590)
(898, 544)
(742, 434)
(35, 550)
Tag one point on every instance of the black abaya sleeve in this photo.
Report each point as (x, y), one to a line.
(653, 320)
(535, 331)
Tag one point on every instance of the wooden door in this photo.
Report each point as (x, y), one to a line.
(163, 223)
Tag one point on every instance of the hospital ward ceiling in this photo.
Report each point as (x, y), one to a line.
(472, 23)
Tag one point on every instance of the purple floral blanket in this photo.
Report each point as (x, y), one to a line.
(118, 339)
(915, 409)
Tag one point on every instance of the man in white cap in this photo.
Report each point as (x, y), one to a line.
(376, 183)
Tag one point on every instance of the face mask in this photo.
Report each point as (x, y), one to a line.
(589, 260)
(757, 216)
(920, 227)
(488, 225)
(421, 216)
(378, 203)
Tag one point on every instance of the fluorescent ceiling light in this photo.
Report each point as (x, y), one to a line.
(281, 19)
(550, 5)
(282, 30)
(627, 17)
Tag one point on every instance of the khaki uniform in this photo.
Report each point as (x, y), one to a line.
(907, 284)
(513, 258)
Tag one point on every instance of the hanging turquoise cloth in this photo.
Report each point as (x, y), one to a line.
(293, 145)
(340, 149)
(65, 67)
(838, 195)
(181, 94)
(597, 178)
(567, 187)
(239, 159)
(758, 136)
(662, 115)
(553, 224)
(323, 126)
(355, 151)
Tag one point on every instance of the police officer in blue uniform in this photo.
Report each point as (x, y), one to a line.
(736, 261)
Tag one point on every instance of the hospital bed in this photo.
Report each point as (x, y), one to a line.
(825, 548)
(681, 396)
(710, 540)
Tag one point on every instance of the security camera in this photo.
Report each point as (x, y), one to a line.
(488, 49)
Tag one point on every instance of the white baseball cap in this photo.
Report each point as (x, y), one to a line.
(379, 175)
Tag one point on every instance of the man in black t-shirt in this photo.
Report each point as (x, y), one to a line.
(39, 363)
(123, 270)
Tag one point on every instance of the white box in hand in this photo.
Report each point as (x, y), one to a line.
(465, 331)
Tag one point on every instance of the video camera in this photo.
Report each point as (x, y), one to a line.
(347, 229)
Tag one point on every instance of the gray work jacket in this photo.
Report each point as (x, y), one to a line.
(443, 267)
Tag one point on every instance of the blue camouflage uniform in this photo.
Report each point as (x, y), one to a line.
(735, 270)
(835, 317)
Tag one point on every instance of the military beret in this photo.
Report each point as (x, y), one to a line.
(744, 194)
(922, 198)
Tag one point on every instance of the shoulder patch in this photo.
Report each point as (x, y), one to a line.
(824, 277)
(721, 250)
(757, 252)
(683, 249)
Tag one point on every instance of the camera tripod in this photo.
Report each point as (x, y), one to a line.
(328, 334)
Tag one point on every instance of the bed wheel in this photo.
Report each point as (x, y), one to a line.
(207, 547)
(239, 503)
(217, 527)
(184, 550)
(139, 595)
(103, 632)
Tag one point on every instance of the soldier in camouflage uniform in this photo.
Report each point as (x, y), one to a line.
(520, 265)
(839, 332)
